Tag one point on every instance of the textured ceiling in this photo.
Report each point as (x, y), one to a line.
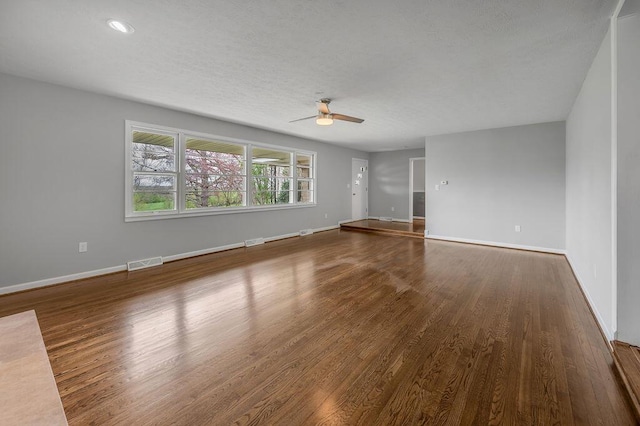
(410, 68)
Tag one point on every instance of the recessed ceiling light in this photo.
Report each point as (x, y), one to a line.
(121, 26)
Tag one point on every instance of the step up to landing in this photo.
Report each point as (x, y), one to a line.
(385, 228)
(627, 360)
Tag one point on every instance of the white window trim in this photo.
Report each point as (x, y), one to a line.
(181, 211)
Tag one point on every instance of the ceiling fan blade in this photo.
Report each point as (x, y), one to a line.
(306, 118)
(347, 118)
(323, 107)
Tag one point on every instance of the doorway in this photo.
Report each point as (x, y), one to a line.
(359, 189)
(417, 185)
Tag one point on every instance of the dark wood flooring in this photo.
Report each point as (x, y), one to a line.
(333, 328)
(627, 358)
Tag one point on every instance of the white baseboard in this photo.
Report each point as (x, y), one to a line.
(326, 228)
(89, 274)
(340, 222)
(386, 219)
(496, 244)
(58, 280)
(201, 252)
(401, 220)
(610, 336)
(281, 237)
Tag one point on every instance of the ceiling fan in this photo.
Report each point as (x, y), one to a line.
(326, 117)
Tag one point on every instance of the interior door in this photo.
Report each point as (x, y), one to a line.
(359, 189)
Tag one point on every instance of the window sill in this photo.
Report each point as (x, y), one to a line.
(181, 215)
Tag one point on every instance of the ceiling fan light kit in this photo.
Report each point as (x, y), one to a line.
(326, 117)
(324, 120)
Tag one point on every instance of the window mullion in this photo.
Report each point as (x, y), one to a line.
(248, 164)
(293, 194)
(180, 172)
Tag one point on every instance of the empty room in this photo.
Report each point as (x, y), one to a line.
(341, 212)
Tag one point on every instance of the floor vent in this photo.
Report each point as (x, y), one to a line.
(306, 232)
(254, 242)
(386, 219)
(144, 263)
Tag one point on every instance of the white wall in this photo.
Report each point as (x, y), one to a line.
(629, 176)
(389, 183)
(62, 182)
(588, 200)
(498, 179)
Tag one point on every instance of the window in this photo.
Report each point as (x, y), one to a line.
(154, 167)
(271, 176)
(180, 173)
(214, 174)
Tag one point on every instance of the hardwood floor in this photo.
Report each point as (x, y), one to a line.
(333, 328)
(627, 361)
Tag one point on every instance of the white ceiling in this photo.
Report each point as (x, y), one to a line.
(410, 68)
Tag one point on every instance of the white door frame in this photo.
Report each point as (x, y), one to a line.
(364, 200)
(411, 160)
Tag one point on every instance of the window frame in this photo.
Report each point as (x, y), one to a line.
(181, 136)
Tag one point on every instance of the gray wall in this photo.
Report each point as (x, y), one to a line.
(589, 210)
(62, 182)
(389, 182)
(498, 179)
(629, 177)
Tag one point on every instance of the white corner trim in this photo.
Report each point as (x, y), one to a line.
(58, 280)
(613, 28)
(594, 309)
(496, 244)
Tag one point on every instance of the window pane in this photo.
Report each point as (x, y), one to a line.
(200, 182)
(305, 197)
(304, 172)
(194, 144)
(305, 185)
(271, 197)
(271, 156)
(271, 190)
(268, 170)
(303, 160)
(303, 165)
(152, 152)
(269, 162)
(153, 183)
(153, 201)
(197, 200)
(214, 174)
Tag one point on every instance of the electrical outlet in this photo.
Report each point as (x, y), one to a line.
(393, 209)
(437, 187)
(82, 247)
(517, 228)
(326, 216)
